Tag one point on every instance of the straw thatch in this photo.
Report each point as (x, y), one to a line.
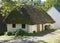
(28, 14)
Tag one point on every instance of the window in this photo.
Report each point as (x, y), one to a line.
(13, 25)
(23, 25)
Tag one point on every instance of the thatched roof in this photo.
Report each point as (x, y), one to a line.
(28, 15)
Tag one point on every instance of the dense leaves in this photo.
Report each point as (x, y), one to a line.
(49, 3)
(7, 6)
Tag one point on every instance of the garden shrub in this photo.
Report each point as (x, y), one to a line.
(9, 33)
(20, 32)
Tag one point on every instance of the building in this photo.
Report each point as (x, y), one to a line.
(28, 18)
(54, 12)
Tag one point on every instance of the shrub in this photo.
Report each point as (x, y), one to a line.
(9, 33)
(20, 32)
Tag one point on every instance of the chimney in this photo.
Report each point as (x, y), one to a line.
(32, 2)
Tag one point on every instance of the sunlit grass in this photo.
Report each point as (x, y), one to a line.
(4, 36)
(51, 40)
(58, 30)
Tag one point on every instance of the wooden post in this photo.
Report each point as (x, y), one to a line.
(38, 27)
(42, 27)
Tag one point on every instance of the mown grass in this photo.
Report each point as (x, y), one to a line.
(4, 36)
(52, 40)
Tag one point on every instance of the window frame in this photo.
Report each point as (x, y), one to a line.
(14, 25)
(24, 26)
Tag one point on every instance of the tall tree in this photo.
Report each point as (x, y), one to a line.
(48, 4)
(7, 6)
(58, 2)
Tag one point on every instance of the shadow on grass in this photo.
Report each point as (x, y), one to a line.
(42, 33)
(41, 41)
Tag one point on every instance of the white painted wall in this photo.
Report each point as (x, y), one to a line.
(48, 24)
(29, 28)
(32, 28)
(56, 16)
(18, 26)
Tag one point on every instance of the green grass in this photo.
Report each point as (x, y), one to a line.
(4, 36)
(41, 33)
(52, 40)
(31, 34)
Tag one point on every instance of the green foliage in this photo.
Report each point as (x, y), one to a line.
(58, 3)
(7, 6)
(49, 3)
(20, 32)
(9, 33)
(41, 33)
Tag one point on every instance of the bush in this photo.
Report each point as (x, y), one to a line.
(20, 32)
(9, 33)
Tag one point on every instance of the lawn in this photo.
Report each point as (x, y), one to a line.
(52, 40)
(4, 36)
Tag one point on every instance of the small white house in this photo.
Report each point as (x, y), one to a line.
(28, 18)
(54, 12)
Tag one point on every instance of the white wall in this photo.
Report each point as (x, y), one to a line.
(29, 28)
(18, 26)
(48, 24)
(56, 16)
(32, 28)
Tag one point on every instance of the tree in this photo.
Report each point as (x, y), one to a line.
(48, 4)
(7, 6)
(58, 3)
